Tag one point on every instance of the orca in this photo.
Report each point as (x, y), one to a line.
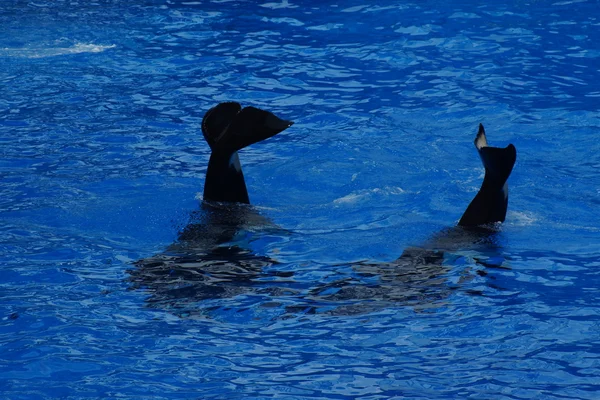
(418, 277)
(228, 128)
(211, 257)
(491, 202)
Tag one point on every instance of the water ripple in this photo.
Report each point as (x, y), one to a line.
(335, 287)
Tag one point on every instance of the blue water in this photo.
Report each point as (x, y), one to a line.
(103, 164)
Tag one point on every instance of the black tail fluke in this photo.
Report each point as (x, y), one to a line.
(228, 128)
(491, 202)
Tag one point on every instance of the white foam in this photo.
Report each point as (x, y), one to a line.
(367, 193)
(42, 52)
(275, 6)
(521, 219)
(351, 198)
(284, 20)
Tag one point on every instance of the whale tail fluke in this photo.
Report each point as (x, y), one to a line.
(491, 202)
(228, 128)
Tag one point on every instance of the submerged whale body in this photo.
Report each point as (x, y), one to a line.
(210, 259)
(423, 277)
(228, 128)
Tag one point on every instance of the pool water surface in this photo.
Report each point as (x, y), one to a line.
(346, 278)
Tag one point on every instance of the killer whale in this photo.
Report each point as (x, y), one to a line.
(228, 128)
(209, 260)
(419, 277)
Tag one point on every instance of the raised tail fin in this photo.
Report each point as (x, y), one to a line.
(228, 128)
(491, 202)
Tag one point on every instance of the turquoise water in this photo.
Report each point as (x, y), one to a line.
(344, 280)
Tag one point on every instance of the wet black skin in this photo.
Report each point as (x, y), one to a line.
(225, 179)
(491, 202)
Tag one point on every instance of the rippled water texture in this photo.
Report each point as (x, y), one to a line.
(346, 279)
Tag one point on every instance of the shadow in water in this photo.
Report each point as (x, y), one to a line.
(422, 277)
(211, 258)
